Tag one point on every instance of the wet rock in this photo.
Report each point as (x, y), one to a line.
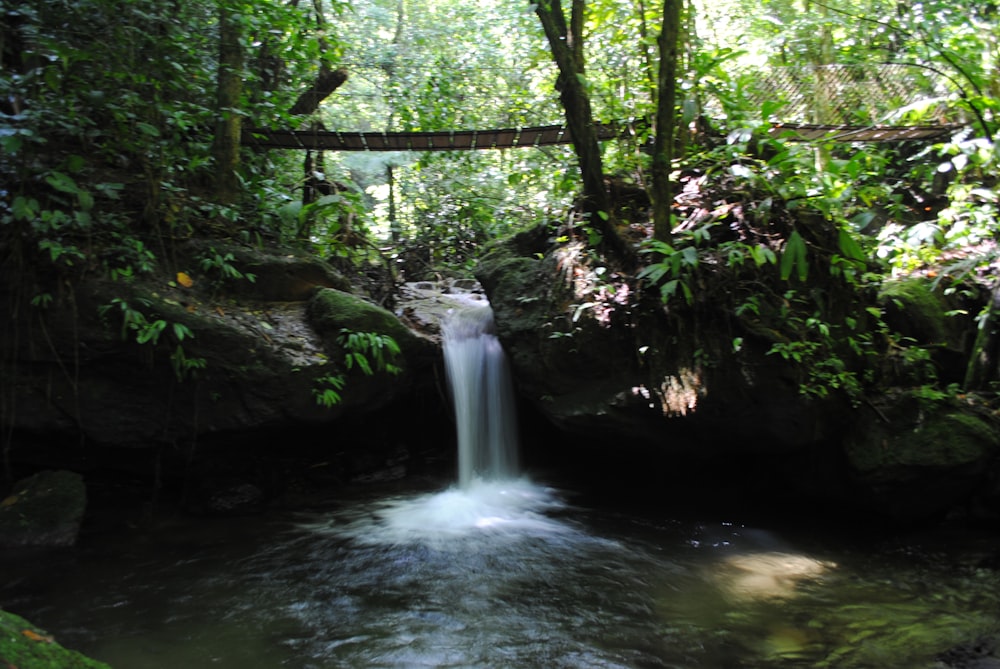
(981, 654)
(918, 462)
(43, 510)
(235, 499)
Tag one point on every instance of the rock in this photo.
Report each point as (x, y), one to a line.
(219, 365)
(25, 646)
(918, 461)
(603, 360)
(918, 309)
(713, 389)
(980, 654)
(44, 510)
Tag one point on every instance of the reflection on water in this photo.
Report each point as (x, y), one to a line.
(499, 575)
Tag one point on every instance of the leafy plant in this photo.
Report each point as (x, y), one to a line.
(369, 351)
(220, 266)
(673, 269)
(146, 331)
(327, 391)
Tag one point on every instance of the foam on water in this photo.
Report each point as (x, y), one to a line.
(483, 510)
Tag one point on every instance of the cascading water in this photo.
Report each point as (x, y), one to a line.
(492, 498)
(482, 395)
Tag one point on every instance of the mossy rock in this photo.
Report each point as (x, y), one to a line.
(43, 510)
(915, 309)
(330, 310)
(913, 462)
(25, 646)
(943, 440)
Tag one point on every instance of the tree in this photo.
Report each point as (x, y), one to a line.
(661, 194)
(566, 42)
(226, 147)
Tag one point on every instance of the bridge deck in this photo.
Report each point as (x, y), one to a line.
(506, 138)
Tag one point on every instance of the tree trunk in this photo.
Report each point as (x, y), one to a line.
(983, 364)
(226, 145)
(567, 51)
(327, 81)
(666, 120)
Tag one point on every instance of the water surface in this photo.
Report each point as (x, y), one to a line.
(504, 574)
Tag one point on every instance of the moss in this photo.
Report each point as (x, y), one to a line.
(914, 309)
(25, 646)
(943, 441)
(330, 310)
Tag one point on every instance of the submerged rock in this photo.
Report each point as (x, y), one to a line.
(44, 510)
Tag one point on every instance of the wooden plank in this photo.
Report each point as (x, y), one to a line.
(504, 138)
(845, 133)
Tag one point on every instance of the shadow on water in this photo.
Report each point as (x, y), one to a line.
(503, 571)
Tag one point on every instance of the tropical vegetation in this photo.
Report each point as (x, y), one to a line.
(125, 129)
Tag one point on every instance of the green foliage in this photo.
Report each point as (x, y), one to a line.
(148, 331)
(834, 355)
(793, 258)
(220, 268)
(672, 271)
(327, 390)
(369, 352)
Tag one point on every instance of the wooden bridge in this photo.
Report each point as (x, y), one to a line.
(547, 135)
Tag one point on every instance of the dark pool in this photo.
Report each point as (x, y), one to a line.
(504, 575)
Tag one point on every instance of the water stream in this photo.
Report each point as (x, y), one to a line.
(500, 570)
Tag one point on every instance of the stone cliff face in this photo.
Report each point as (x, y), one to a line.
(700, 388)
(232, 360)
(599, 356)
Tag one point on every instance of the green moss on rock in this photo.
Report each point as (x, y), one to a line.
(330, 310)
(913, 308)
(940, 441)
(25, 646)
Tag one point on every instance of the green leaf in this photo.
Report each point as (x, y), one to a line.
(147, 129)
(62, 182)
(181, 331)
(794, 257)
(850, 248)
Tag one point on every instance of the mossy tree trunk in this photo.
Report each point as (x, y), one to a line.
(666, 120)
(226, 146)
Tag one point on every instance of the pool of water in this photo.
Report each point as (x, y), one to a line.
(506, 574)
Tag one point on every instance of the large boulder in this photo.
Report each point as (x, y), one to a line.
(705, 387)
(916, 459)
(169, 359)
(44, 510)
(602, 359)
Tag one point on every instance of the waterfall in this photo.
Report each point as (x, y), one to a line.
(482, 395)
(492, 497)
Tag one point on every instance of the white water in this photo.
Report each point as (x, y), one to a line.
(491, 500)
(482, 395)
